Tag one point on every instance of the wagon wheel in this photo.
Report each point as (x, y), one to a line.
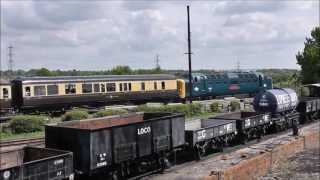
(199, 152)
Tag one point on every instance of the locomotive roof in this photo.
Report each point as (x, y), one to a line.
(97, 78)
(225, 75)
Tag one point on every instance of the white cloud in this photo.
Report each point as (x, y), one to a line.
(101, 34)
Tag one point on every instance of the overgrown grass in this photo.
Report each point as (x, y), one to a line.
(76, 114)
(27, 123)
(110, 112)
(189, 110)
(5, 136)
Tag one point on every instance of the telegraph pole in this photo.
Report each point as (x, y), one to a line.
(157, 62)
(189, 57)
(10, 61)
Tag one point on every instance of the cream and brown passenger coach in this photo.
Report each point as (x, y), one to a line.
(5, 95)
(57, 92)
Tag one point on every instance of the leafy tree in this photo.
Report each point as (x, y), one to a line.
(309, 59)
(43, 72)
(121, 70)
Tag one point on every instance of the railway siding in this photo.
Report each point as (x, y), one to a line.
(251, 162)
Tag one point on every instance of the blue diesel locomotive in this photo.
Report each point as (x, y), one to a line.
(224, 84)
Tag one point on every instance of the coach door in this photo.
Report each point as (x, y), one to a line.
(144, 136)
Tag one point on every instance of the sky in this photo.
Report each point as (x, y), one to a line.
(98, 35)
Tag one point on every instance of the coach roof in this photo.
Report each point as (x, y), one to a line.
(96, 78)
(4, 82)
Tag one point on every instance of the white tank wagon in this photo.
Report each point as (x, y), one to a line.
(276, 101)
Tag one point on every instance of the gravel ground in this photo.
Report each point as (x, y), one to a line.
(303, 166)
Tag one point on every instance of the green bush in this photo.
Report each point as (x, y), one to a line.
(27, 123)
(110, 112)
(75, 115)
(235, 105)
(187, 109)
(214, 107)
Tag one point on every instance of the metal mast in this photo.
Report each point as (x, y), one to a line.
(10, 61)
(157, 62)
(189, 57)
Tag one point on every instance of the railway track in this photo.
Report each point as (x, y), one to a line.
(187, 159)
(21, 142)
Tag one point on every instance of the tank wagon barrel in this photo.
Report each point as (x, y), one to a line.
(276, 101)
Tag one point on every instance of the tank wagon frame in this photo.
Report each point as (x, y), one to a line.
(121, 146)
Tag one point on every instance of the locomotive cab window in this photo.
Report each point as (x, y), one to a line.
(39, 90)
(86, 88)
(111, 87)
(27, 91)
(70, 88)
(52, 89)
(163, 85)
(5, 93)
(143, 86)
(96, 88)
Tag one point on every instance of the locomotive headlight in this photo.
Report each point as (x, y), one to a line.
(6, 175)
(71, 177)
(236, 132)
(271, 123)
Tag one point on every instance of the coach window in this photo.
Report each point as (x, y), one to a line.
(155, 85)
(96, 88)
(52, 89)
(120, 87)
(103, 88)
(5, 93)
(129, 84)
(70, 88)
(27, 91)
(86, 88)
(143, 86)
(39, 90)
(111, 87)
(163, 85)
(125, 86)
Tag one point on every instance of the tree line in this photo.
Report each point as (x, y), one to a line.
(308, 59)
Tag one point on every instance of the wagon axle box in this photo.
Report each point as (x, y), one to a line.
(36, 163)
